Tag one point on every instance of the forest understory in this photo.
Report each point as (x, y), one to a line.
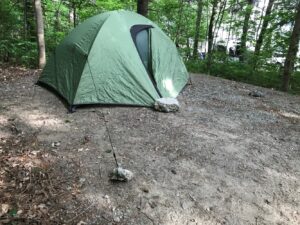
(224, 158)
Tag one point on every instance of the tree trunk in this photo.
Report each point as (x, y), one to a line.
(57, 17)
(74, 14)
(263, 30)
(229, 29)
(245, 29)
(29, 22)
(210, 34)
(292, 52)
(142, 7)
(219, 21)
(25, 19)
(179, 23)
(40, 33)
(197, 30)
(261, 18)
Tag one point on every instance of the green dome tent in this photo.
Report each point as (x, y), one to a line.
(117, 57)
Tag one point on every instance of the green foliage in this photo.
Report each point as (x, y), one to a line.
(269, 76)
(18, 52)
(176, 17)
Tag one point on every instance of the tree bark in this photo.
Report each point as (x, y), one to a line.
(179, 23)
(25, 19)
(210, 34)
(197, 30)
(219, 21)
(229, 29)
(245, 29)
(292, 52)
(263, 30)
(40, 33)
(142, 7)
(74, 14)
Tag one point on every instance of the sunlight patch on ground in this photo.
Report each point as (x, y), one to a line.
(280, 176)
(38, 119)
(3, 123)
(179, 218)
(289, 115)
(3, 120)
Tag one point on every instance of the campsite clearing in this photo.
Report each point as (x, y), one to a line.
(225, 158)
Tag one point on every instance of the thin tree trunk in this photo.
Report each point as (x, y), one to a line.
(258, 28)
(179, 23)
(229, 30)
(188, 49)
(292, 52)
(57, 17)
(74, 14)
(25, 19)
(245, 29)
(197, 30)
(210, 34)
(263, 30)
(142, 7)
(219, 20)
(40, 33)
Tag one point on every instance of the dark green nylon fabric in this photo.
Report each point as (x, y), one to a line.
(64, 69)
(99, 63)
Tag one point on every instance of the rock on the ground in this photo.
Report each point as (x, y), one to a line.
(166, 105)
(120, 174)
(256, 94)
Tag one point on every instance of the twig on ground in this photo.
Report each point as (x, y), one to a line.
(145, 214)
(77, 215)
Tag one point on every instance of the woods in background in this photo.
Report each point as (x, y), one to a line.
(254, 41)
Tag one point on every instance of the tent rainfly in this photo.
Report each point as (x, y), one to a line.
(117, 57)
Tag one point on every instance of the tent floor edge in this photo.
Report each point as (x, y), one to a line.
(72, 108)
(53, 91)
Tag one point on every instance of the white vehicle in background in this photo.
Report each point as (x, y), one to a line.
(278, 59)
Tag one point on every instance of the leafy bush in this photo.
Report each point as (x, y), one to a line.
(18, 52)
(268, 76)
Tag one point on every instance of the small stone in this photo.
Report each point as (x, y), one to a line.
(82, 181)
(173, 171)
(4, 209)
(166, 105)
(120, 174)
(117, 215)
(55, 144)
(86, 139)
(207, 209)
(256, 94)
(152, 204)
(219, 189)
(145, 189)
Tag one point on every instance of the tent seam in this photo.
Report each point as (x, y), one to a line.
(92, 76)
(87, 60)
(98, 34)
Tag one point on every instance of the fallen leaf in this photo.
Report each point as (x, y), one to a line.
(4, 209)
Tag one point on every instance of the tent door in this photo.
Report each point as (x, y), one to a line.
(143, 47)
(141, 35)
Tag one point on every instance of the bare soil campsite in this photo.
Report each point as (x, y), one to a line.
(225, 158)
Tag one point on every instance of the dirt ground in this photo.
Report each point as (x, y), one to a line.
(225, 158)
